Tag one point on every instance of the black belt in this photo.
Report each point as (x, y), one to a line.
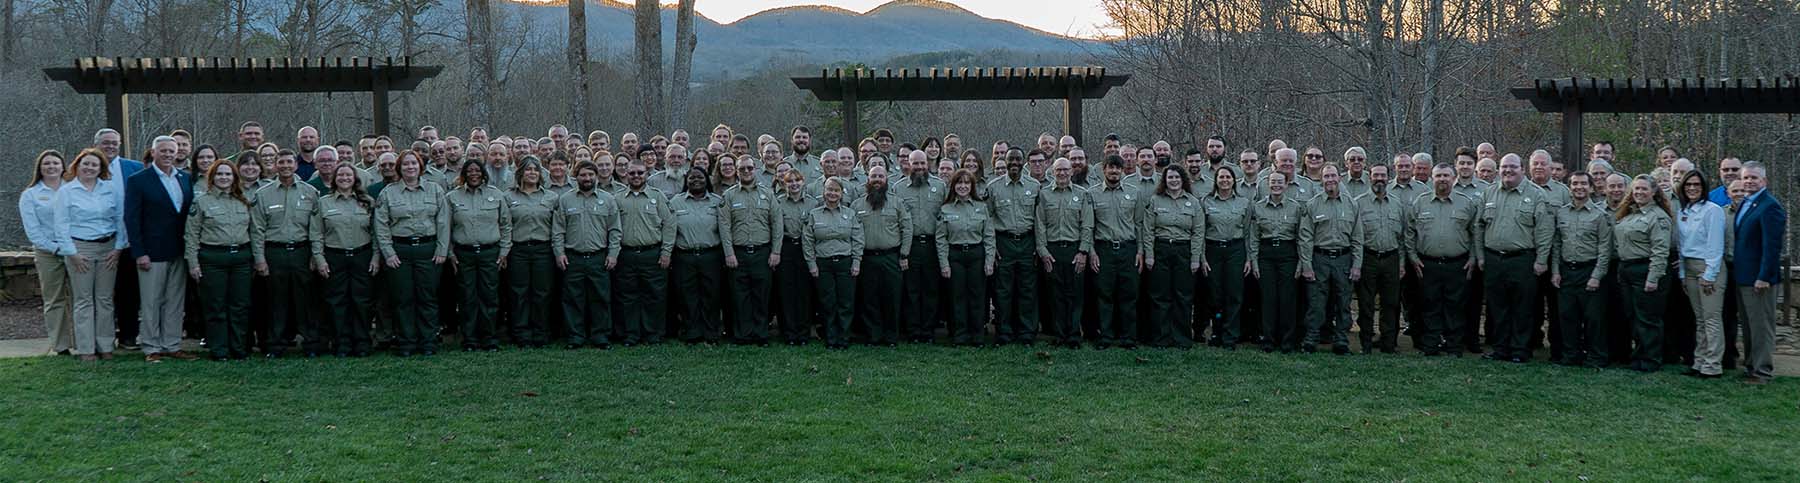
(105, 239)
(1433, 259)
(530, 243)
(1636, 260)
(641, 248)
(924, 238)
(1275, 243)
(1061, 243)
(694, 251)
(1013, 236)
(346, 251)
(1115, 244)
(284, 245)
(1578, 265)
(1507, 253)
(965, 246)
(415, 240)
(791, 239)
(1379, 254)
(229, 248)
(835, 258)
(583, 253)
(1224, 243)
(1168, 241)
(750, 248)
(476, 246)
(876, 252)
(1331, 252)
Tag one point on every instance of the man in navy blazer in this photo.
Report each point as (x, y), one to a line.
(157, 200)
(1757, 270)
(125, 296)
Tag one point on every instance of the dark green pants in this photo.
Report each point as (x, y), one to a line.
(837, 298)
(1329, 297)
(1117, 287)
(699, 276)
(879, 286)
(291, 295)
(1441, 303)
(1511, 288)
(1226, 284)
(587, 299)
(1280, 292)
(414, 286)
(923, 281)
(750, 294)
(1646, 312)
(347, 293)
(968, 294)
(640, 284)
(1064, 319)
(794, 287)
(1015, 289)
(225, 298)
(478, 274)
(1379, 290)
(1583, 317)
(530, 269)
(1173, 294)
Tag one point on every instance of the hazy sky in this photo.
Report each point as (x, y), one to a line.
(1068, 17)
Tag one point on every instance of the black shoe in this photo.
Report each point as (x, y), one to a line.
(1518, 359)
(1690, 373)
(603, 346)
(271, 355)
(219, 358)
(1268, 348)
(1344, 350)
(429, 352)
(1707, 376)
(403, 354)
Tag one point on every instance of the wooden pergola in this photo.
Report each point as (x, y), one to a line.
(1574, 96)
(1071, 84)
(118, 78)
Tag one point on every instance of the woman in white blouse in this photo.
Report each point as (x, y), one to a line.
(38, 212)
(1700, 231)
(90, 232)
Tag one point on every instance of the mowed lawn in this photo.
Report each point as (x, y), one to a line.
(677, 412)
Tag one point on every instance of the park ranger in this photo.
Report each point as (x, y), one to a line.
(1065, 238)
(966, 252)
(1541, 170)
(1516, 228)
(833, 241)
(1331, 246)
(887, 228)
(1274, 233)
(1299, 188)
(1226, 267)
(412, 227)
(1380, 212)
(1440, 233)
(1355, 175)
(1144, 180)
(481, 232)
(584, 236)
(646, 240)
(220, 228)
(698, 263)
(1582, 253)
(921, 194)
(1177, 221)
(752, 251)
(801, 142)
(284, 210)
(1642, 239)
(793, 281)
(672, 179)
(1117, 257)
(341, 230)
(530, 263)
(1013, 199)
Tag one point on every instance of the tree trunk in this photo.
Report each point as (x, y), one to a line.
(1375, 79)
(1434, 23)
(240, 25)
(12, 32)
(648, 42)
(409, 30)
(684, 63)
(480, 41)
(98, 10)
(578, 58)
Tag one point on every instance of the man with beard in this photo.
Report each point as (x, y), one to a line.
(1078, 165)
(1379, 288)
(1065, 237)
(499, 167)
(1440, 234)
(306, 140)
(921, 194)
(672, 180)
(1117, 211)
(1331, 245)
(887, 229)
(1146, 177)
(1064, 146)
(1215, 159)
(753, 225)
(584, 237)
(629, 145)
(1515, 231)
(801, 141)
(647, 239)
(740, 146)
(1012, 199)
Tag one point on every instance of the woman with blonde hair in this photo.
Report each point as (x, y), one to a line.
(88, 231)
(1642, 234)
(219, 259)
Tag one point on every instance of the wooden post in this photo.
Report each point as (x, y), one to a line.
(1072, 114)
(849, 111)
(118, 109)
(380, 91)
(1572, 158)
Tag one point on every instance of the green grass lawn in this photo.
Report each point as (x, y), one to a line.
(915, 413)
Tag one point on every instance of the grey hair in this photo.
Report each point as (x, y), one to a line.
(324, 149)
(1602, 164)
(1761, 170)
(1424, 158)
(163, 139)
(103, 132)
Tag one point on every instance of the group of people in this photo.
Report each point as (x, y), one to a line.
(336, 249)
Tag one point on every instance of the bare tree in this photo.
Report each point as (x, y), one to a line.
(578, 59)
(648, 43)
(96, 27)
(479, 39)
(1428, 102)
(684, 63)
(7, 38)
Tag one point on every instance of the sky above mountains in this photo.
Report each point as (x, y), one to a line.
(1076, 18)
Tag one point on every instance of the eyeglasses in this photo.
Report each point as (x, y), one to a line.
(1693, 184)
(1315, 156)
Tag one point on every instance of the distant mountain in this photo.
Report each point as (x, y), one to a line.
(808, 35)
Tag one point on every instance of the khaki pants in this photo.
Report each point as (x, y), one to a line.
(162, 293)
(1709, 328)
(53, 282)
(93, 300)
(1759, 330)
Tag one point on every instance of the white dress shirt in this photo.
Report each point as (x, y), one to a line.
(89, 215)
(171, 184)
(37, 209)
(1701, 226)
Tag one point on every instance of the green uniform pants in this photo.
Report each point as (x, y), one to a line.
(1226, 285)
(1064, 319)
(1117, 287)
(225, 275)
(347, 294)
(1646, 312)
(1511, 288)
(837, 298)
(1015, 289)
(587, 299)
(1329, 293)
(1583, 314)
(530, 269)
(750, 294)
(1172, 293)
(478, 273)
(968, 294)
(699, 276)
(795, 292)
(291, 295)
(923, 281)
(414, 286)
(879, 285)
(1280, 291)
(639, 289)
(1379, 290)
(1441, 302)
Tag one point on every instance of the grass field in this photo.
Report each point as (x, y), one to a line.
(915, 413)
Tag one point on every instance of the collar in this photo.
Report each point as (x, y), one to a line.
(1274, 202)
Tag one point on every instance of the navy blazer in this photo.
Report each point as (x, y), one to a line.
(127, 167)
(1757, 251)
(155, 227)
